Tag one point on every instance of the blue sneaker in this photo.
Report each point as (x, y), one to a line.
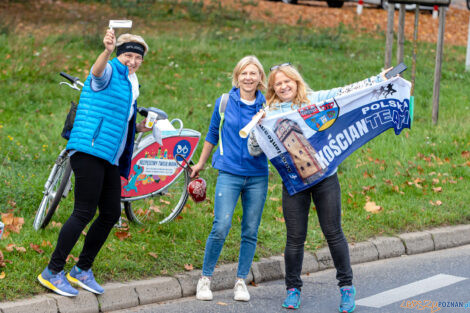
(293, 299)
(84, 279)
(347, 299)
(57, 283)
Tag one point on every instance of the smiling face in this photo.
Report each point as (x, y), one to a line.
(132, 60)
(285, 87)
(248, 80)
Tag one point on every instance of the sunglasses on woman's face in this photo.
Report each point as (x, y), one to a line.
(278, 66)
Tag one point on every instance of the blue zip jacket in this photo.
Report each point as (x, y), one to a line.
(101, 119)
(236, 159)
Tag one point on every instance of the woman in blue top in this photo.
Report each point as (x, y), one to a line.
(240, 174)
(100, 149)
(288, 91)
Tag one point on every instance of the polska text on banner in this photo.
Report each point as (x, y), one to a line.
(308, 144)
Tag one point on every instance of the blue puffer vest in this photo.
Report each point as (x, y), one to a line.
(101, 119)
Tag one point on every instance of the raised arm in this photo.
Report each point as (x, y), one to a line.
(321, 95)
(109, 42)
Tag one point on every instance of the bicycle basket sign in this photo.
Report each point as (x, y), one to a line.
(154, 167)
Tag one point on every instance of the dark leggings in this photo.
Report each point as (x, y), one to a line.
(326, 196)
(97, 183)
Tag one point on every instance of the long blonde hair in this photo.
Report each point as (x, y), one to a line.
(292, 73)
(244, 62)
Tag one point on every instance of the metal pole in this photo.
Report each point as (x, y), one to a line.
(401, 33)
(437, 70)
(415, 50)
(389, 37)
(467, 62)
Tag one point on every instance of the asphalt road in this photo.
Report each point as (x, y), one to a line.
(442, 277)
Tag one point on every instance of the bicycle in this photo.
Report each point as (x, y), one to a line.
(154, 171)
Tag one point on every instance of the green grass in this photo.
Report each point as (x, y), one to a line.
(192, 55)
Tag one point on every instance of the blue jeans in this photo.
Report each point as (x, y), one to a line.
(229, 187)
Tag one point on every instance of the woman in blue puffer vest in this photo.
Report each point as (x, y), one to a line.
(100, 148)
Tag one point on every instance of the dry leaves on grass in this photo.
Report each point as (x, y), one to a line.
(72, 258)
(36, 248)
(188, 267)
(153, 255)
(12, 224)
(372, 207)
(11, 246)
(122, 234)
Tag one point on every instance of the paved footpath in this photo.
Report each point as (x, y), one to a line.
(132, 294)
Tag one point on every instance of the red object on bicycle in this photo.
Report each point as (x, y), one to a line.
(197, 187)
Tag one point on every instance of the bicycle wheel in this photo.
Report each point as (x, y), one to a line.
(53, 194)
(168, 206)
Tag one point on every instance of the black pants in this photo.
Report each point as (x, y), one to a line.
(326, 196)
(97, 184)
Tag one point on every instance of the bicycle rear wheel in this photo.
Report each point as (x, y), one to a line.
(165, 207)
(60, 178)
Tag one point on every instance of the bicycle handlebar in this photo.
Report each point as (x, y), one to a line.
(71, 78)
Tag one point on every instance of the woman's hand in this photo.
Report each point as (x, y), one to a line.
(109, 41)
(382, 74)
(196, 169)
(141, 127)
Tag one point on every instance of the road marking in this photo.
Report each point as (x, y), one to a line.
(407, 291)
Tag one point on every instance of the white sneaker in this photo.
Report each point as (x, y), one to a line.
(240, 291)
(203, 289)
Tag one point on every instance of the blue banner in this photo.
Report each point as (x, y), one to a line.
(308, 144)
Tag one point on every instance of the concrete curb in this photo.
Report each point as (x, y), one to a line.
(134, 293)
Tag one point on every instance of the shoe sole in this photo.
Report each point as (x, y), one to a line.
(50, 286)
(204, 298)
(75, 281)
(350, 311)
(241, 299)
(291, 306)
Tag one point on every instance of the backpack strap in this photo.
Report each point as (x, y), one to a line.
(222, 107)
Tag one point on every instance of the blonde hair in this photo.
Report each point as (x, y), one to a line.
(244, 62)
(292, 73)
(132, 38)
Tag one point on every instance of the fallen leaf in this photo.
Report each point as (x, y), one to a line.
(122, 235)
(280, 219)
(221, 303)
(164, 201)
(465, 154)
(372, 207)
(46, 243)
(71, 257)
(437, 189)
(274, 199)
(2, 275)
(188, 267)
(153, 254)
(56, 224)
(10, 247)
(36, 248)
(155, 209)
(253, 283)
(21, 249)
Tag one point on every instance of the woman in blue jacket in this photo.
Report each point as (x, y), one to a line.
(240, 174)
(100, 149)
